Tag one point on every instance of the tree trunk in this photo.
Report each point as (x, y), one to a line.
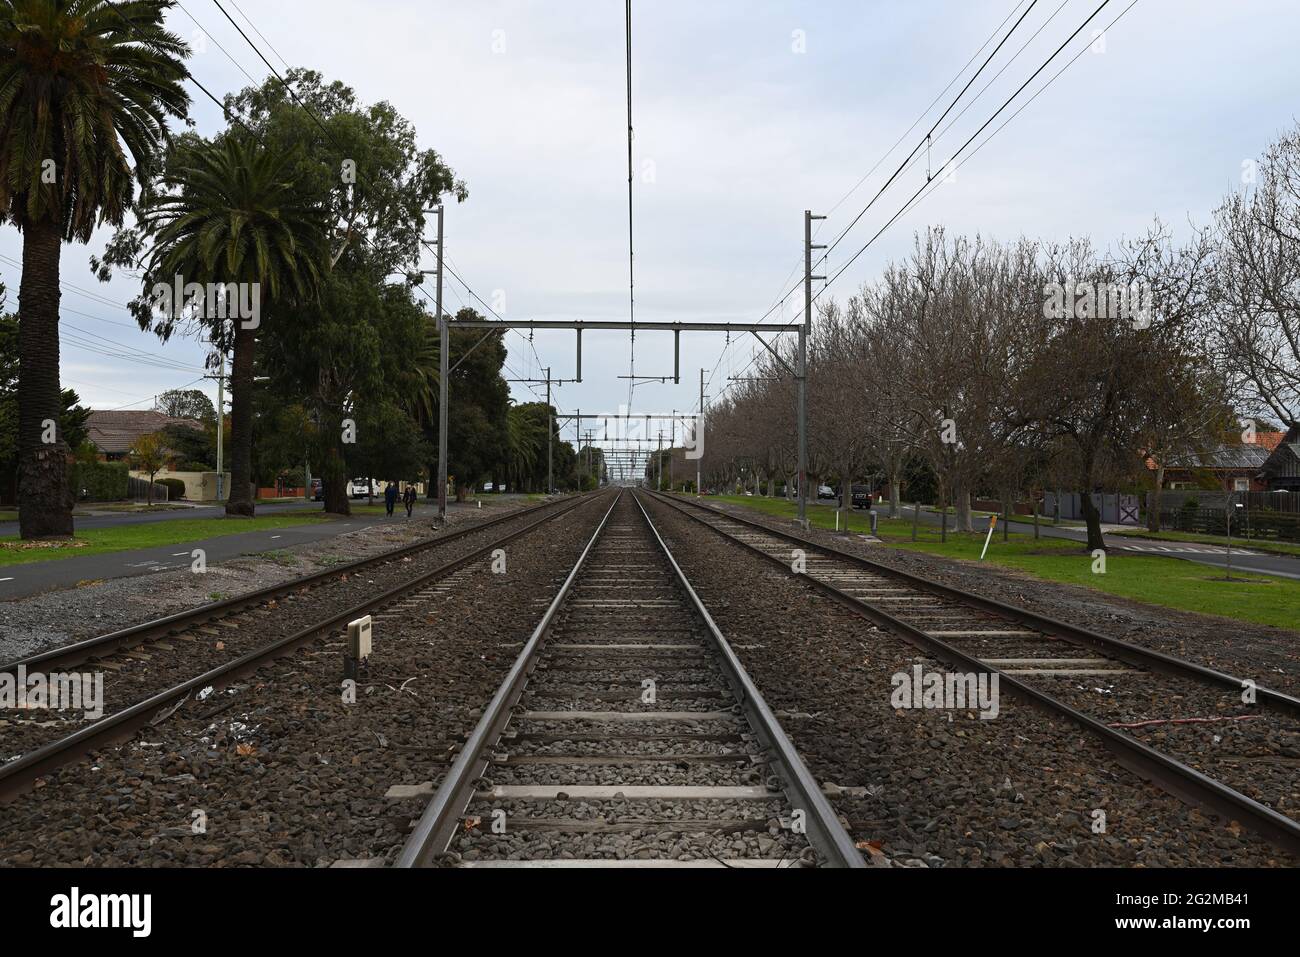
(1153, 501)
(1092, 516)
(895, 494)
(240, 501)
(334, 479)
(44, 497)
(961, 499)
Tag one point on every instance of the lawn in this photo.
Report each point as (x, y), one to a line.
(1169, 582)
(97, 541)
(1238, 541)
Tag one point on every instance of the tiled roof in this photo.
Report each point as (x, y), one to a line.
(1285, 459)
(1224, 457)
(116, 431)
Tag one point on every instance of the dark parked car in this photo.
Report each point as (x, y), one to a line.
(861, 496)
(317, 490)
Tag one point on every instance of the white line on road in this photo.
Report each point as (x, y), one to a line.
(179, 554)
(6, 579)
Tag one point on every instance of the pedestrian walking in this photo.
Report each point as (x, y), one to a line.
(390, 498)
(408, 499)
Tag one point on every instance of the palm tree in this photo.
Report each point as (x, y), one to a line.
(229, 213)
(79, 79)
(525, 442)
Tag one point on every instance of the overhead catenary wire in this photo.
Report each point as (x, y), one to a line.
(324, 129)
(782, 299)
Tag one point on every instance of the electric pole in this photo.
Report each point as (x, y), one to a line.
(550, 434)
(221, 413)
(804, 334)
(444, 347)
(659, 460)
(699, 424)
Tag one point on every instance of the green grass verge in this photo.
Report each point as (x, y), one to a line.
(97, 541)
(1258, 545)
(1155, 580)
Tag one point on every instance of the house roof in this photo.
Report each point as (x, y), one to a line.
(1224, 457)
(117, 431)
(1270, 440)
(1285, 459)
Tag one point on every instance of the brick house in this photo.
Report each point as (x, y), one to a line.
(1281, 470)
(1229, 467)
(114, 434)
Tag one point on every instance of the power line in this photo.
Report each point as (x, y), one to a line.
(780, 302)
(981, 129)
(893, 176)
(324, 129)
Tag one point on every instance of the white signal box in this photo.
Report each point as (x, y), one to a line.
(359, 635)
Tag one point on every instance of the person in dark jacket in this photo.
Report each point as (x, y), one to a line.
(408, 499)
(390, 498)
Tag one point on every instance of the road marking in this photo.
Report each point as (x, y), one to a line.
(6, 579)
(179, 554)
(273, 537)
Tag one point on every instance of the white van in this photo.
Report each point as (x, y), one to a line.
(358, 488)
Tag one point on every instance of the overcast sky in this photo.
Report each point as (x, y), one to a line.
(746, 113)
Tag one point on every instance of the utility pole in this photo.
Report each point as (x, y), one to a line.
(672, 444)
(444, 346)
(221, 412)
(659, 460)
(550, 435)
(699, 424)
(804, 334)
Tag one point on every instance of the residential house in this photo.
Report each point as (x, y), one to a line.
(114, 433)
(1228, 467)
(1281, 470)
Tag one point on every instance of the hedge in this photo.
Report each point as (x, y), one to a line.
(101, 481)
(175, 488)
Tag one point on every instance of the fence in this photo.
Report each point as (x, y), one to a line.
(138, 489)
(1247, 523)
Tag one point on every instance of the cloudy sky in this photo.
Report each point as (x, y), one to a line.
(747, 112)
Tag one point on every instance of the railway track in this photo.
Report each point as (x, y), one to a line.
(217, 643)
(626, 734)
(1164, 718)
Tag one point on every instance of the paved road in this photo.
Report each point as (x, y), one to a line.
(19, 581)
(1243, 559)
(112, 519)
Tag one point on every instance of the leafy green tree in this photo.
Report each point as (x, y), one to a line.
(228, 212)
(477, 434)
(83, 84)
(150, 454)
(187, 404)
(361, 342)
(192, 450)
(526, 427)
(72, 415)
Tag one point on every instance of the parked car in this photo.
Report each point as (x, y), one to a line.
(825, 491)
(358, 488)
(317, 490)
(860, 495)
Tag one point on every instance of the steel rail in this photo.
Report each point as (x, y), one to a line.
(19, 774)
(1171, 775)
(1123, 650)
(824, 830)
(436, 826)
(133, 635)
